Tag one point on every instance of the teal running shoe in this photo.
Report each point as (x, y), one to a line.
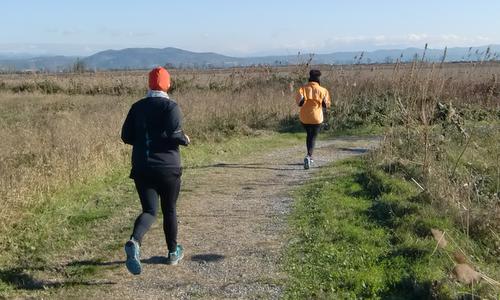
(133, 263)
(176, 256)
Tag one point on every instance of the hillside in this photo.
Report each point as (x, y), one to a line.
(141, 58)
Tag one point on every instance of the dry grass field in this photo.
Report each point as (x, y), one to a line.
(58, 129)
(440, 122)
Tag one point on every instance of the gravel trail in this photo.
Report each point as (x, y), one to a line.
(232, 218)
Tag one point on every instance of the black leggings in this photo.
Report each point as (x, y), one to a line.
(312, 132)
(166, 183)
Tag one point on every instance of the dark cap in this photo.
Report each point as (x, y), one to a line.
(314, 75)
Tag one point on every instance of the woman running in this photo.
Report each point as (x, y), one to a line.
(153, 128)
(312, 98)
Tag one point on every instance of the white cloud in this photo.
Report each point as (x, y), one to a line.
(416, 37)
(409, 40)
(282, 44)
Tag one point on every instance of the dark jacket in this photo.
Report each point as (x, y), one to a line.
(153, 128)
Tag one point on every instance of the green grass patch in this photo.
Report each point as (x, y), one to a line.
(360, 233)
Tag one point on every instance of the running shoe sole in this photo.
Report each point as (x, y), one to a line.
(133, 263)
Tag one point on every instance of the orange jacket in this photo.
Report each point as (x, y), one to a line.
(311, 112)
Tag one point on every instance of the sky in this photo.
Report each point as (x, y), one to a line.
(242, 28)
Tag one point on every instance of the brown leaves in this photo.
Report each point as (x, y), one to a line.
(466, 274)
(463, 271)
(459, 257)
(439, 237)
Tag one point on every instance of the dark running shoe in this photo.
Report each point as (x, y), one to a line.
(307, 162)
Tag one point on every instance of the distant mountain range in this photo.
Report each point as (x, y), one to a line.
(145, 58)
(48, 63)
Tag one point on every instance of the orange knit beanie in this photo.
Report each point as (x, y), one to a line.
(159, 79)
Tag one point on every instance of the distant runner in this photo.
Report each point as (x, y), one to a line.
(312, 98)
(153, 128)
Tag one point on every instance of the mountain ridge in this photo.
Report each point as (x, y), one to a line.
(144, 58)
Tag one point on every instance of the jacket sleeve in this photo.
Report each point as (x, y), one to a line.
(299, 97)
(326, 100)
(174, 131)
(128, 128)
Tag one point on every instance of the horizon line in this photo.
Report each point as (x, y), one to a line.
(28, 55)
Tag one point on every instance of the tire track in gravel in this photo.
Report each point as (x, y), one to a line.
(232, 225)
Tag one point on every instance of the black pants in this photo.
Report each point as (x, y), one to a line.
(163, 182)
(312, 131)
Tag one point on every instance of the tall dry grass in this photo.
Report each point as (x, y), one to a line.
(67, 128)
(442, 131)
(62, 129)
(55, 141)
